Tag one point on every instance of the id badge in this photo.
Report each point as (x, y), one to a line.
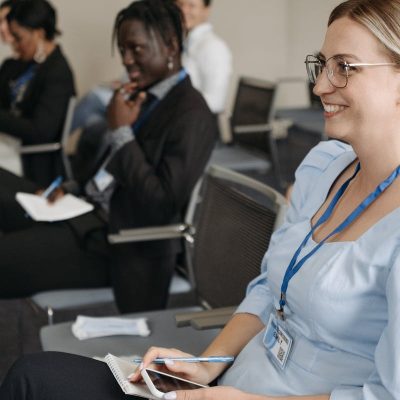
(277, 341)
(103, 179)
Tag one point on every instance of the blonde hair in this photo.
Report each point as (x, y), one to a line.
(380, 17)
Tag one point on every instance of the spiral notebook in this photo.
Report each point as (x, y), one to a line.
(121, 369)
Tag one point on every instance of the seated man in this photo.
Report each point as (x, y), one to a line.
(206, 56)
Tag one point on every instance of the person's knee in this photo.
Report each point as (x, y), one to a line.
(15, 384)
(25, 365)
(32, 366)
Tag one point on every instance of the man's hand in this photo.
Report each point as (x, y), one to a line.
(122, 110)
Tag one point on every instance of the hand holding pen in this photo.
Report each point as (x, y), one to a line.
(53, 191)
(198, 369)
(125, 106)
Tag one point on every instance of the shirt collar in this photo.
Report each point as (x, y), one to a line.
(161, 89)
(198, 31)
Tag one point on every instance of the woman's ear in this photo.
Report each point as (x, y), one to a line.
(40, 34)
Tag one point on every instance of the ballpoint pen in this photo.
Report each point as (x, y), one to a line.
(226, 359)
(53, 186)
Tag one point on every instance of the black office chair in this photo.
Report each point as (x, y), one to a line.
(237, 216)
(253, 147)
(65, 304)
(56, 147)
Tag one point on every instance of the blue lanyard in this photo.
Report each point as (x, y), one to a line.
(145, 114)
(153, 103)
(21, 82)
(294, 267)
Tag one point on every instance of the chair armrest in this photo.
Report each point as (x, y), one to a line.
(251, 128)
(40, 148)
(185, 319)
(152, 233)
(211, 322)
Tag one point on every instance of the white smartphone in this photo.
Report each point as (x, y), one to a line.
(160, 383)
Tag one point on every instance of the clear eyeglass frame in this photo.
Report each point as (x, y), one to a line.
(336, 67)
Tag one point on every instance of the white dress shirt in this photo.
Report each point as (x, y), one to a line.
(208, 61)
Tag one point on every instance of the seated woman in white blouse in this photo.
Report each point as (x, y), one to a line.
(322, 320)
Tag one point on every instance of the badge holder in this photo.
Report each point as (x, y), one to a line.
(103, 179)
(277, 339)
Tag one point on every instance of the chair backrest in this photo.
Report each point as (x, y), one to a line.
(56, 146)
(236, 219)
(254, 102)
(251, 121)
(65, 136)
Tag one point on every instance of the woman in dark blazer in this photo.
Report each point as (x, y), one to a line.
(157, 142)
(35, 87)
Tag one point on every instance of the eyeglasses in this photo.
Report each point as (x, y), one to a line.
(337, 69)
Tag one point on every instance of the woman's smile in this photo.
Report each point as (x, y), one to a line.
(332, 110)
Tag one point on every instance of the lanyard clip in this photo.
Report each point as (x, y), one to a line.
(280, 312)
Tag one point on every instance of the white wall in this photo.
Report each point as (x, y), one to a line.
(86, 39)
(257, 35)
(268, 38)
(307, 21)
(306, 25)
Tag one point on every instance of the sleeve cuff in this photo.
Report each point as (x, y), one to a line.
(121, 136)
(71, 187)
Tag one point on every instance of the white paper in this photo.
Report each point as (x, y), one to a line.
(91, 327)
(40, 209)
(121, 369)
(125, 357)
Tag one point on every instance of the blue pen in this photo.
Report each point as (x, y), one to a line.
(224, 359)
(53, 186)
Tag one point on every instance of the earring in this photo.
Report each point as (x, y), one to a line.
(170, 64)
(40, 54)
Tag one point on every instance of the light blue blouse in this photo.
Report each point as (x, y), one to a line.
(343, 306)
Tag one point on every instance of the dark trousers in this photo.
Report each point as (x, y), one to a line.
(36, 256)
(60, 376)
(140, 279)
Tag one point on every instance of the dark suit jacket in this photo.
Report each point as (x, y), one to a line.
(157, 171)
(43, 109)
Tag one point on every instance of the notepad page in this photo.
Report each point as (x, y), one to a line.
(121, 369)
(40, 209)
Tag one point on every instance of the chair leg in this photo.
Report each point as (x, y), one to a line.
(50, 315)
